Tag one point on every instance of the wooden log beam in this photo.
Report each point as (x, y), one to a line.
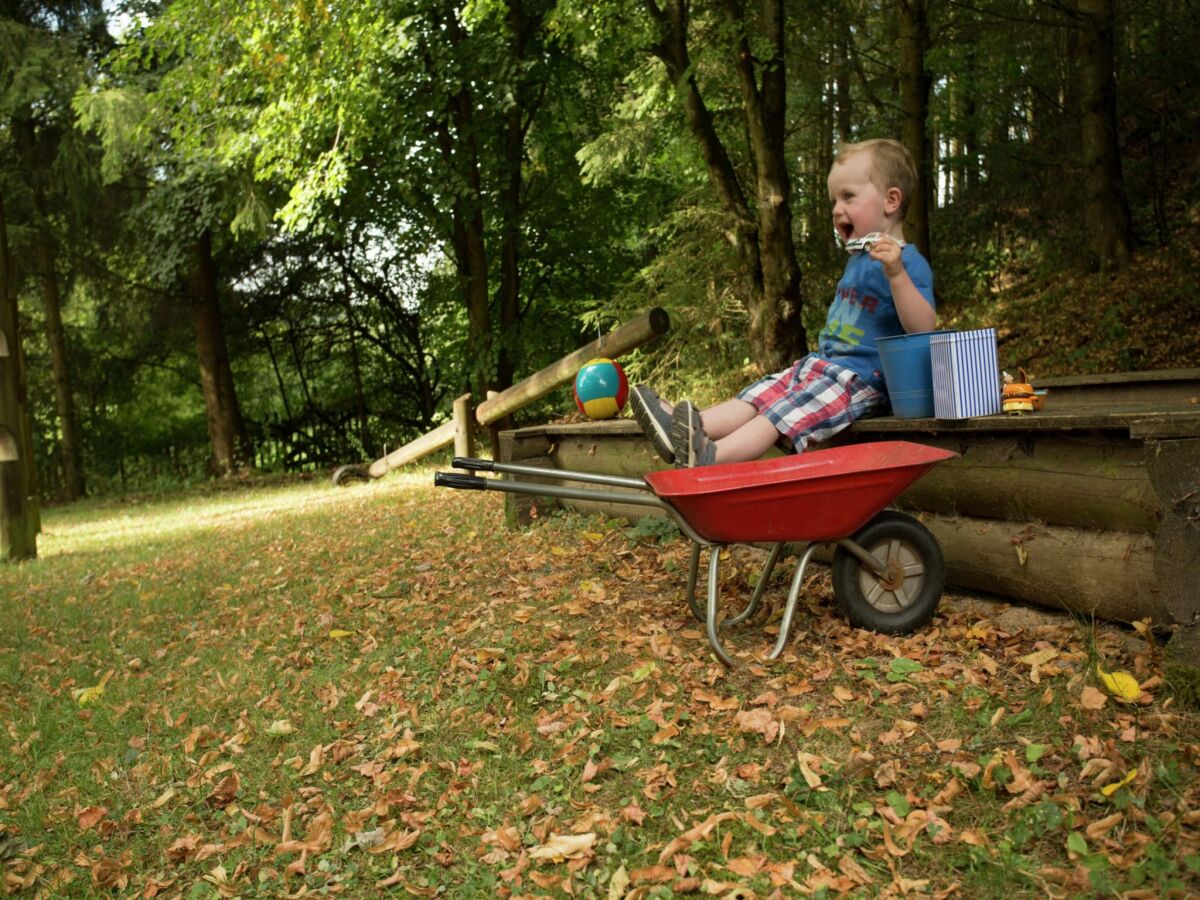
(1152, 388)
(1071, 480)
(440, 437)
(629, 336)
(610, 455)
(1107, 574)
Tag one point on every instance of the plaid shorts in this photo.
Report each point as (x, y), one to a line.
(813, 400)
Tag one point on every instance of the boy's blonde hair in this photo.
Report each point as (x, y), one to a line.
(891, 166)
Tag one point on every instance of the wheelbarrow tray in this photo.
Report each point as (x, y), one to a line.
(822, 495)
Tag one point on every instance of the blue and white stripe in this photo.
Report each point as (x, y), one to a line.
(966, 373)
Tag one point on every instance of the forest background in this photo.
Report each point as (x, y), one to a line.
(240, 234)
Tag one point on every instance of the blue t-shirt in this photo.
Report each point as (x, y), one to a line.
(863, 309)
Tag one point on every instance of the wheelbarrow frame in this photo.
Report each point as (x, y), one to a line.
(639, 493)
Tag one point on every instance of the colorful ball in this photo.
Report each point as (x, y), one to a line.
(600, 388)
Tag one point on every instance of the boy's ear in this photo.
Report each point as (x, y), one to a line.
(892, 198)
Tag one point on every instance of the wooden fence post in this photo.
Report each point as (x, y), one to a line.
(20, 520)
(464, 427)
(8, 440)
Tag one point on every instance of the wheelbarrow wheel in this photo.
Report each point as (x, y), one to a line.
(344, 475)
(907, 596)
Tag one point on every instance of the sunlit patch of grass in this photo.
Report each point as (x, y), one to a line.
(107, 526)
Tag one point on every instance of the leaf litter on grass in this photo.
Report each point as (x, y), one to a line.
(386, 690)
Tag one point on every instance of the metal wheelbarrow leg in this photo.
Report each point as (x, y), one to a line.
(712, 625)
(694, 571)
(793, 595)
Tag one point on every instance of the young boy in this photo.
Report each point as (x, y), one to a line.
(886, 289)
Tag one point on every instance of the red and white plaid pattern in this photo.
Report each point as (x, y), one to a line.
(813, 400)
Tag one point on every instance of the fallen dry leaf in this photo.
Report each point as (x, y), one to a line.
(747, 866)
(805, 761)
(564, 846)
(689, 837)
(659, 874)
(1121, 685)
(398, 839)
(1101, 827)
(715, 701)
(222, 795)
(758, 721)
(88, 818)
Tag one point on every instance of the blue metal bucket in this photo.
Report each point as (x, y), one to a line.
(908, 374)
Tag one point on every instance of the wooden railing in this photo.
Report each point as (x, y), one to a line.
(460, 430)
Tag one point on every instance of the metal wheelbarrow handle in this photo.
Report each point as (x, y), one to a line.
(475, 483)
(462, 482)
(486, 465)
(472, 463)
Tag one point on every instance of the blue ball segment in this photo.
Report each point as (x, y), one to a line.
(600, 389)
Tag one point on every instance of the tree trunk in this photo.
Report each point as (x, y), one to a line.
(968, 104)
(819, 162)
(460, 151)
(914, 103)
(72, 455)
(226, 429)
(360, 395)
(474, 253)
(842, 73)
(783, 337)
(762, 236)
(1108, 230)
(20, 520)
(510, 199)
(36, 146)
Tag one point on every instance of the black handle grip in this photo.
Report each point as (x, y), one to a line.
(462, 482)
(470, 462)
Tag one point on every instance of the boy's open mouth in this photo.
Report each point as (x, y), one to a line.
(845, 229)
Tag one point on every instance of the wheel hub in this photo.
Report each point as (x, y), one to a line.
(893, 577)
(895, 588)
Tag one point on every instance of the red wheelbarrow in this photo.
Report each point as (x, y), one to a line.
(888, 572)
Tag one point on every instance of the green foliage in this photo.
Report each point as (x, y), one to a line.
(336, 155)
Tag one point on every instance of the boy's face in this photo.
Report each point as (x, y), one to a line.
(859, 207)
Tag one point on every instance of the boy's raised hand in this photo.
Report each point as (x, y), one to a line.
(887, 251)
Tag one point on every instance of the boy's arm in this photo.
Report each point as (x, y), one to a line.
(914, 310)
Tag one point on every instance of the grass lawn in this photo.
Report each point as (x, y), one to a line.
(291, 689)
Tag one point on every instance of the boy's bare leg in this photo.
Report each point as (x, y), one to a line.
(725, 418)
(750, 441)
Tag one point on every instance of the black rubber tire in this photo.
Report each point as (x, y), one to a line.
(859, 594)
(344, 475)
